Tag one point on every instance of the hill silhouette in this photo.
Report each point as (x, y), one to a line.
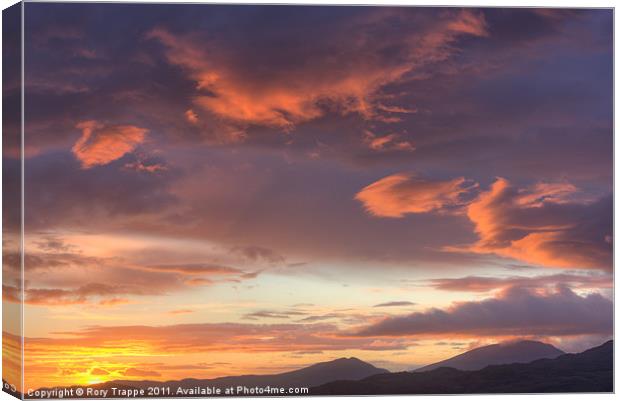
(314, 375)
(311, 376)
(589, 371)
(498, 354)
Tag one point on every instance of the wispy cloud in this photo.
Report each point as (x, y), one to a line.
(394, 303)
(488, 283)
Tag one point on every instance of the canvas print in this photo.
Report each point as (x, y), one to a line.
(235, 200)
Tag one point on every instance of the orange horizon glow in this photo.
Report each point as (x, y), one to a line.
(226, 190)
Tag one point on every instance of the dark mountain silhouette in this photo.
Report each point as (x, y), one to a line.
(314, 375)
(311, 376)
(498, 354)
(589, 371)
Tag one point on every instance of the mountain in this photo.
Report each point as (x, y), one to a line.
(311, 376)
(498, 354)
(589, 371)
(314, 375)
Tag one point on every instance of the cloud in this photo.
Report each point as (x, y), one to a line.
(78, 296)
(11, 294)
(341, 71)
(141, 373)
(180, 311)
(326, 316)
(49, 260)
(213, 337)
(146, 167)
(193, 269)
(61, 273)
(99, 372)
(54, 244)
(259, 254)
(81, 295)
(389, 142)
(394, 303)
(485, 284)
(101, 144)
(114, 301)
(191, 116)
(515, 311)
(267, 314)
(545, 224)
(199, 282)
(106, 196)
(400, 194)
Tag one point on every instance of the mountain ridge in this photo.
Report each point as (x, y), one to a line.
(522, 351)
(588, 371)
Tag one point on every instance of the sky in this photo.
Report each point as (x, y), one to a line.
(221, 190)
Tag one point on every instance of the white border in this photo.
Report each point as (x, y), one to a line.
(467, 3)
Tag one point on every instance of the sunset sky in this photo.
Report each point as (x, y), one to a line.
(221, 190)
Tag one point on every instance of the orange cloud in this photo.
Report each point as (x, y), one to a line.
(101, 144)
(387, 142)
(114, 301)
(400, 194)
(191, 116)
(347, 79)
(210, 337)
(99, 372)
(180, 311)
(61, 273)
(141, 166)
(141, 373)
(77, 296)
(543, 225)
(11, 294)
(198, 282)
(192, 269)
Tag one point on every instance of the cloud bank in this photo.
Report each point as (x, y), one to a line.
(514, 312)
